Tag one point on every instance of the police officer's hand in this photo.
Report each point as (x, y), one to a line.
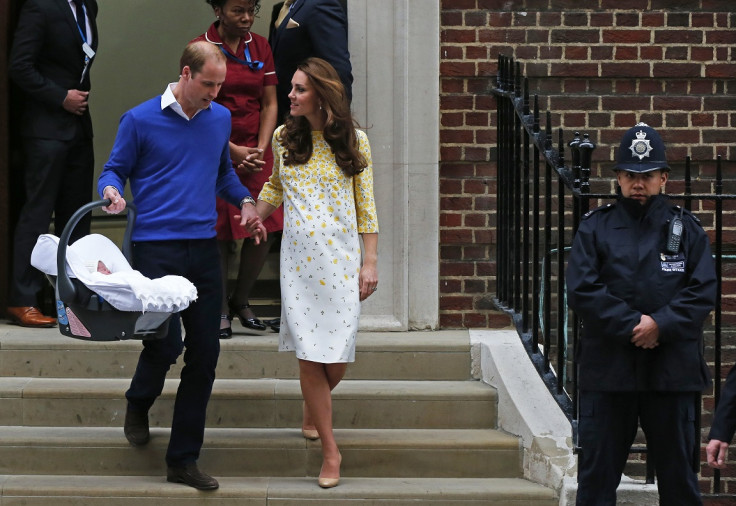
(646, 333)
(717, 452)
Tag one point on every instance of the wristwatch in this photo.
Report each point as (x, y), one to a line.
(247, 200)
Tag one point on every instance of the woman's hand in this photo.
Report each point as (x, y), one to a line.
(247, 160)
(368, 277)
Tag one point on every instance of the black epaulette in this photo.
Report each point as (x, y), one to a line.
(677, 209)
(606, 207)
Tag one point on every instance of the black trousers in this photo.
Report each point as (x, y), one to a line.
(198, 261)
(607, 428)
(58, 181)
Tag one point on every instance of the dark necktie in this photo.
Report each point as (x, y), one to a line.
(81, 21)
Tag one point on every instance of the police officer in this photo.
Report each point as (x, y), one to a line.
(641, 278)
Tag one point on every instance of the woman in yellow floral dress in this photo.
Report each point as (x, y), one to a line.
(323, 174)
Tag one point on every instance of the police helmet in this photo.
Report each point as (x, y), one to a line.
(641, 150)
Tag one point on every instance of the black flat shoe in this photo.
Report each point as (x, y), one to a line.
(227, 332)
(275, 324)
(136, 427)
(192, 476)
(249, 323)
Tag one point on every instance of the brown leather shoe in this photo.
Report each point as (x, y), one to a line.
(29, 316)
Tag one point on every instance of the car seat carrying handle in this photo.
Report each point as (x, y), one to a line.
(65, 290)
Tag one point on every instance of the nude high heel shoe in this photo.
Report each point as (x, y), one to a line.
(329, 482)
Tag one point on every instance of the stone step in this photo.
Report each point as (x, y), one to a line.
(254, 403)
(371, 453)
(442, 355)
(268, 491)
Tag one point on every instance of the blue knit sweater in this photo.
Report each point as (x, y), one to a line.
(175, 168)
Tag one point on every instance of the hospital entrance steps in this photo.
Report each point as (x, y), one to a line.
(413, 427)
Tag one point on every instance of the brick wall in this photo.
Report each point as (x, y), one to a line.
(600, 70)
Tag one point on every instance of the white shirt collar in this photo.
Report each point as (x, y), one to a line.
(169, 100)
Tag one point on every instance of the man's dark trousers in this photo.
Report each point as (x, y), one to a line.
(198, 261)
(608, 425)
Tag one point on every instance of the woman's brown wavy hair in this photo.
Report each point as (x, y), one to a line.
(339, 129)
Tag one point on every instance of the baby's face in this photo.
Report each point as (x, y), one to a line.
(101, 267)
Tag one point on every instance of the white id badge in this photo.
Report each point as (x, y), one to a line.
(88, 50)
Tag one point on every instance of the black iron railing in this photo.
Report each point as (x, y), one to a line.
(541, 198)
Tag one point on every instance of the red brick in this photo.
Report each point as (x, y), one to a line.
(450, 252)
(574, 69)
(475, 320)
(525, 18)
(457, 69)
(451, 186)
(723, 71)
(456, 102)
(476, 18)
(676, 103)
(451, 286)
(568, 36)
(626, 86)
(458, 35)
(576, 53)
(451, 219)
(458, 4)
(499, 19)
(457, 269)
(475, 285)
(457, 204)
(476, 53)
(450, 153)
(675, 120)
(678, 70)
(651, 53)
(676, 53)
(460, 136)
(701, 54)
(575, 19)
(451, 18)
(458, 170)
(720, 37)
(475, 220)
(625, 103)
(678, 37)
(627, 19)
(452, 85)
(452, 119)
(626, 53)
(476, 154)
(474, 186)
(702, 19)
(552, 19)
(675, 87)
(702, 119)
(451, 321)
(601, 19)
(618, 36)
(625, 70)
(653, 19)
(449, 52)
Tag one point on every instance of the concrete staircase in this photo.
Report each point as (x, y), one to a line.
(412, 426)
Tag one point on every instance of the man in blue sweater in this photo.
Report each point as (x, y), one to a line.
(174, 151)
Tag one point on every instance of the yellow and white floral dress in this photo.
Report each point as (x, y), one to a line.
(324, 211)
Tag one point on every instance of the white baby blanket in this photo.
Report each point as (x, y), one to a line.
(124, 288)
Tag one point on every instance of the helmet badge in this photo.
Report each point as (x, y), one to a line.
(640, 146)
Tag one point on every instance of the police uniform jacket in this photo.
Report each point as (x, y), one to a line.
(618, 270)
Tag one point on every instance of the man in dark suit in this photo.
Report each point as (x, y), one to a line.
(53, 49)
(724, 424)
(305, 28)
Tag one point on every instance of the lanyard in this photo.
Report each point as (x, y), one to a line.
(84, 35)
(253, 65)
